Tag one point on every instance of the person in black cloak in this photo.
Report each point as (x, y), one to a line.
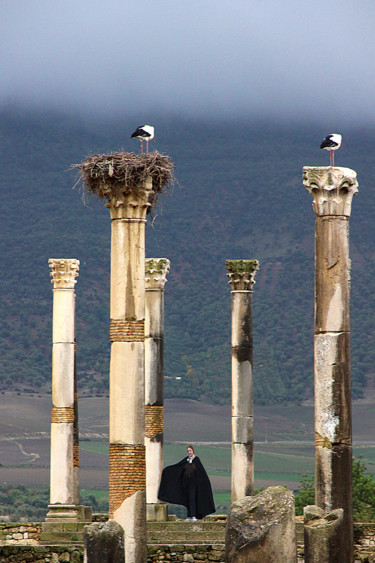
(187, 483)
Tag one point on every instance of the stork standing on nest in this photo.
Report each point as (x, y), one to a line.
(331, 143)
(144, 133)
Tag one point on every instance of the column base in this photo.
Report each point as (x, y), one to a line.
(68, 513)
(156, 512)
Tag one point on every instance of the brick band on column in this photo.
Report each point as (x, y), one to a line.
(127, 331)
(62, 414)
(75, 455)
(127, 472)
(154, 420)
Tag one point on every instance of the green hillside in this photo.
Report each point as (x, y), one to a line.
(239, 195)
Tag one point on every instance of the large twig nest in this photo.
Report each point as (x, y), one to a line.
(125, 172)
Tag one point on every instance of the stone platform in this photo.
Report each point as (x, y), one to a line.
(174, 541)
(182, 532)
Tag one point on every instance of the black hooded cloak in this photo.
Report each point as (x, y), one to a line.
(172, 490)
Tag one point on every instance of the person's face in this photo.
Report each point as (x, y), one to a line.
(190, 452)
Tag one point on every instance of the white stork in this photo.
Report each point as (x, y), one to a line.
(144, 133)
(331, 143)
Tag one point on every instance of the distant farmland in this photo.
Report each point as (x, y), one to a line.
(284, 448)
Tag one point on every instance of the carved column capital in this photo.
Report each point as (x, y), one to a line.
(125, 204)
(156, 270)
(64, 272)
(332, 189)
(242, 274)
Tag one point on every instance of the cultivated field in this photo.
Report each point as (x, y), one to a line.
(284, 447)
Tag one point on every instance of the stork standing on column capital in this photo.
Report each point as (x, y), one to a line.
(331, 143)
(144, 133)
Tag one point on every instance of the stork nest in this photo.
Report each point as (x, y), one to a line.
(125, 172)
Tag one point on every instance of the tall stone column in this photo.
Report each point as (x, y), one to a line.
(156, 271)
(63, 494)
(131, 185)
(242, 278)
(127, 463)
(75, 431)
(333, 190)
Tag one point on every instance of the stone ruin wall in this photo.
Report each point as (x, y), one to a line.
(20, 542)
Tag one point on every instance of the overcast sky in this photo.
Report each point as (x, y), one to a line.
(303, 58)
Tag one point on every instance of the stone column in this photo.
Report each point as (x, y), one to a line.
(333, 190)
(323, 533)
(156, 271)
(131, 185)
(63, 496)
(242, 278)
(127, 463)
(75, 432)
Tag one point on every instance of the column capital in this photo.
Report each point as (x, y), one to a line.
(242, 274)
(156, 270)
(332, 189)
(64, 272)
(133, 204)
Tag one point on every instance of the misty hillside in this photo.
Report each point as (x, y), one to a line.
(239, 194)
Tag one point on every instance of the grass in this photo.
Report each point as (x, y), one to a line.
(368, 455)
(97, 446)
(222, 500)
(282, 478)
(100, 494)
(283, 463)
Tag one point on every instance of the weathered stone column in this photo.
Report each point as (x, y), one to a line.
(131, 185)
(127, 462)
(75, 431)
(242, 278)
(333, 190)
(156, 271)
(63, 494)
(323, 533)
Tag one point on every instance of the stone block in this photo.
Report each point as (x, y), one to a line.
(242, 429)
(262, 528)
(325, 536)
(215, 555)
(156, 512)
(70, 527)
(60, 512)
(104, 543)
(75, 557)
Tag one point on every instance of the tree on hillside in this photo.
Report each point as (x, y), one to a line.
(363, 493)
